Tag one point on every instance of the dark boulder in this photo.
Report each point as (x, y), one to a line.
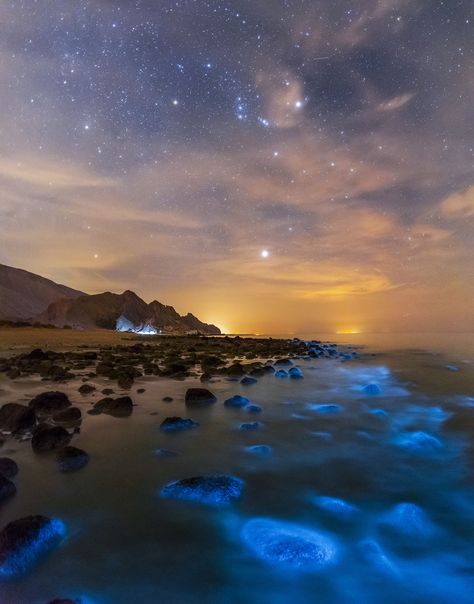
(48, 403)
(248, 380)
(8, 467)
(72, 415)
(167, 399)
(25, 540)
(176, 424)
(71, 459)
(197, 397)
(215, 490)
(118, 407)
(7, 488)
(16, 418)
(48, 439)
(86, 389)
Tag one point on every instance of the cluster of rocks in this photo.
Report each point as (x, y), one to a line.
(176, 357)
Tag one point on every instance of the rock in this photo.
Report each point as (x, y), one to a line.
(215, 490)
(86, 389)
(37, 355)
(452, 367)
(63, 601)
(167, 399)
(281, 373)
(409, 522)
(47, 439)
(176, 424)
(118, 407)
(283, 362)
(107, 391)
(8, 467)
(7, 488)
(140, 390)
(418, 442)
(24, 541)
(296, 373)
(248, 380)
(47, 403)
(253, 408)
(325, 409)
(259, 450)
(289, 545)
(372, 389)
(71, 459)
(165, 453)
(335, 507)
(237, 401)
(125, 382)
(197, 397)
(16, 418)
(71, 415)
(249, 426)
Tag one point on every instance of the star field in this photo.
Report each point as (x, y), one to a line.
(272, 166)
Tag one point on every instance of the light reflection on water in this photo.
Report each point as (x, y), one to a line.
(127, 544)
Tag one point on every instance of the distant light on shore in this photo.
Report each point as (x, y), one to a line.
(347, 331)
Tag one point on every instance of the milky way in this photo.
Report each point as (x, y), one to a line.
(269, 165)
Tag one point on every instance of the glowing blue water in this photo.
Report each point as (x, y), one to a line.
(351, 494)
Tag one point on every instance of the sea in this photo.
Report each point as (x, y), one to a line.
(359, 494)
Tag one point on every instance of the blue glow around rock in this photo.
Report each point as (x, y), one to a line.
(214, 489)
(288, 545)
(259, 450)
(250, 426)
(373, 554)
(418, 442)
(253, 408)
(295, 373)
(336, 507)
(18, 554)
(409, 521)
(281, 373)
(372, 389)
(325, 409)
(237, 401)
(379, 412)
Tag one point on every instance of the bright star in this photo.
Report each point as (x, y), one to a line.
(264, 253)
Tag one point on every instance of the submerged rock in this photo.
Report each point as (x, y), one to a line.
(253, 408)
(335, 507)
(259, 450)
(197, 397)
(325, 409)
(281, 373)
(295, 373)
(7, 488)
(372, 389)
(283, 362)
(16, 418)
(249, 426)
(165, 453)
(71, 459)
(176, 424)
(48, 403)
(418, 442)
(409, 522)
(248, 380)
(48, 439)
(237, 401)
(24, 541)
(8, 467)
(214, 489)
(289, 545)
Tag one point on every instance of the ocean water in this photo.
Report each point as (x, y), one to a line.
(360, 494)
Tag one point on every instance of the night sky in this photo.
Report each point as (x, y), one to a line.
(270, 165)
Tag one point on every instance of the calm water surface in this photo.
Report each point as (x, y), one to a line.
(124, 543)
